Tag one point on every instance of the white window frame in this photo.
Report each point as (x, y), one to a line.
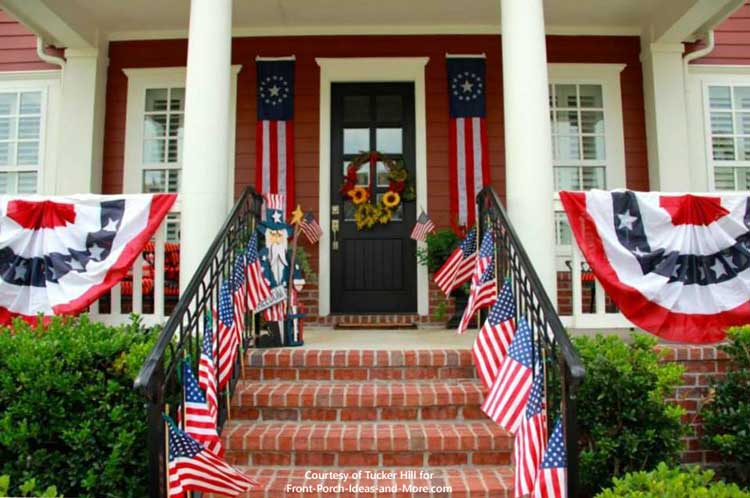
(48, 84)
(608, 77)
(140, 80)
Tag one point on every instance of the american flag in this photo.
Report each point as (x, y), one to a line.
(459, 266)
(274, 157)
(258, 289)
(493, 340)
(227, 335)
(239, 296)
(483, 282)
(506, 401)
(311, 228)
(423, 227)
(469, 164)
(200, 422)
(207, 367)
(194, 468)
(530, 439)
(551, 481)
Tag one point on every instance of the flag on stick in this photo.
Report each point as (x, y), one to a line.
(551, 481)
(506, 401)
(239, 296)
(207, 367)
(258, 289)
(423, 227)
(227, 335)
(459, 266)
(310, 227)
(530, 439)
(194, 468)
(483, 282)
(493, 340)
(200, 422)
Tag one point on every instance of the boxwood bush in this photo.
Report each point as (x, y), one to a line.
(726, 416)
(625, 423)
(69, 416)
(665, 482)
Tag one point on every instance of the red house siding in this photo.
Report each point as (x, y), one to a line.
(18, 47)
(732, 41)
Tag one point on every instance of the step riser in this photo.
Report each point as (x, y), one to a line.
(358, 358)
(365, 459)
(349, 374)
(359, 414)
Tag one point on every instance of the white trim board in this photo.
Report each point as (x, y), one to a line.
(372, 69)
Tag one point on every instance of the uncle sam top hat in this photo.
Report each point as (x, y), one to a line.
(274, 219)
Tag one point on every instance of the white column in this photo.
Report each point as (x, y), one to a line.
(528, 143)
(81, 125)
(205, 165)
(666, 117)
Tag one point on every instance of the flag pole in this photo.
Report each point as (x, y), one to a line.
(296, 218)
(166, 448)
(229, 412)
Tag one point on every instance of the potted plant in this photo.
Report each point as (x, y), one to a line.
(440, 245)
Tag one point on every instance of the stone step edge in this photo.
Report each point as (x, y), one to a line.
(295, 357)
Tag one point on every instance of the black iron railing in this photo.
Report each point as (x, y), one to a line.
(562, 366)
(180, 339)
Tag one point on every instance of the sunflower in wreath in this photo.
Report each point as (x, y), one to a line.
(367, 214)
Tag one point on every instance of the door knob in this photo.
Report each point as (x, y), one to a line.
(335, 231)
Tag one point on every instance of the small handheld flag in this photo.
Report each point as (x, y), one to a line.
(227, 335)
(258, 289)
(423, 227)
(311, 228)
(483, 282)
(551, 481)
(530, 439)
(493, 340)
(459, 266)
(207, 367)
(200, 422)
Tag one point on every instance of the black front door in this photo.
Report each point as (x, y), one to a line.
(373, 270)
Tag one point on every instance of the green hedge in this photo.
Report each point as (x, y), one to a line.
(625, 423)
(665, 482)
(69, 414)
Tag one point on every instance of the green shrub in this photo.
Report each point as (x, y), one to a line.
(665, 482)
(28, 488)
(625, 424)
(68, 413)
(440, 244)
(726, 417)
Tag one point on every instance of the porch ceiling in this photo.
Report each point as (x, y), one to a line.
(115, 19)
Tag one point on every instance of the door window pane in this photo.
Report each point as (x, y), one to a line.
(356, 140)
(567, 178)
(592, 122)
(153, 151)
(567, 148)
(356, 109)
(398, 213)
(156, 99)
(592, 177)
(388, 108)
(382, 176)
(593, 148)
(566, 122)
(389, 140)
(363, 174)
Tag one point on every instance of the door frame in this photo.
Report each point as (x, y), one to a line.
(369, 70)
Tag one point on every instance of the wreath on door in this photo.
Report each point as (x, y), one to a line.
(367, 213)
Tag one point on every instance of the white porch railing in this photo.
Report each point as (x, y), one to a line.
(127, 297)
(584, 304)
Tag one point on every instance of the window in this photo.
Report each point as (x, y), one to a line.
(578, 136)
(21, 123)
(163, 122)
(729, 130)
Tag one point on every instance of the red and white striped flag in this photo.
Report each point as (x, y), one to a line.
(530, 439)
(459, 266)
(274, 145)
(494, 338)
(227, 335)
(423, 227)
(469, 164)
(310, 227)
(239, 296)
(506, 401)
(207, 367)
(258, 289)
(483, 282)
(200, 422)
(551, 481)
(194, 468)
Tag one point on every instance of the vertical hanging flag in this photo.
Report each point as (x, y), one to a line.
(551, 481)
(530, 440)
(274, 137)
(469, 164)
(493, 340)
(423, 227)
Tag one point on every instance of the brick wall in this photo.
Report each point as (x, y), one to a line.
(702, 363)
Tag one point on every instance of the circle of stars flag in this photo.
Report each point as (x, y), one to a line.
(59, 254)
(551, 480)
(274, 137)
(675, 265)
(200, 420)
(530, 439)
(195, 468)
(483, 283)
(506, 401)
(493, 340)
(469, 163)
(459, 266)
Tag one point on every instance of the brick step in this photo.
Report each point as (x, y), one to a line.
(359, 444)
(485, 482)
(442, 400)
(358, 358)
(376, 374)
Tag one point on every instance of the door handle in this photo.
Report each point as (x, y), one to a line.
(334, 232)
